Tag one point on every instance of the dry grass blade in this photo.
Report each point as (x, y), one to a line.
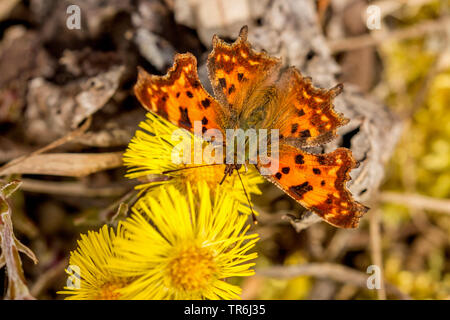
(66, 164)
(74, 189)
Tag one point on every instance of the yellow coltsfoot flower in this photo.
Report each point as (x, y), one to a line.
(149, 158)
(180, 248)
(90, 277)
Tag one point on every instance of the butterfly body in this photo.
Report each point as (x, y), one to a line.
(253, 92)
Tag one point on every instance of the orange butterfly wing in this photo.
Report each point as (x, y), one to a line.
(308, 118)
(236, 70)
(178, 96)
(318, 182)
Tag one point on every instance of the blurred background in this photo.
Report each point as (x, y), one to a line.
(66, 76)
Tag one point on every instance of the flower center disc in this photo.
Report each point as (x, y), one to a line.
(109, 291)
(192, 268)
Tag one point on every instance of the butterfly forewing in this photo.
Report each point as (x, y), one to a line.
(236, 70)
(179, 96)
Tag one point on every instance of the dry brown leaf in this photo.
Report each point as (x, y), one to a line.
(54, 110)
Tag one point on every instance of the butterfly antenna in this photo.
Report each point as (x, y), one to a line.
(205, 165)
(248, 198)
(228, 171)
(223, 179)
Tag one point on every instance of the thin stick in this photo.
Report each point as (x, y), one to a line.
(375, 248)
(366, 40)
(417, 201)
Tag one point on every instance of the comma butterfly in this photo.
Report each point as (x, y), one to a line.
(252, 90)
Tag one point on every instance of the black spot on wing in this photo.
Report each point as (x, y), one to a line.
(161, 107)
(305, 133)
(299, 159)
(184, 120)
(301, 189)
(223, 82)
(285, 170)
(322, 160)
(206, 103)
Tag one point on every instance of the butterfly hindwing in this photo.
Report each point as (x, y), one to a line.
(178, 96)
(318, 182)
